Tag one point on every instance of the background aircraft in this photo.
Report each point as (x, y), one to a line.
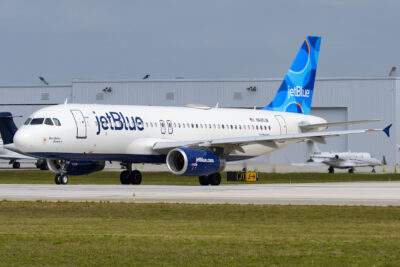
(7, 125)
(13, 157)
(342, 160)
(77, 139)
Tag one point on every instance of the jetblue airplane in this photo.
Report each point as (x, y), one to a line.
(195, 140)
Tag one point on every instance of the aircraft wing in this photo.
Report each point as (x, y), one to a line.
(267, 140)
(310, 127)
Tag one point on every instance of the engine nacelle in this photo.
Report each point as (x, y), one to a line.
(194, 162)
(75, 167)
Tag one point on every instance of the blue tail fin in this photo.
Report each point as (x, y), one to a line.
(296, 91)
(7, 127)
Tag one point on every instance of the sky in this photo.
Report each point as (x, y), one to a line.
(207, 39)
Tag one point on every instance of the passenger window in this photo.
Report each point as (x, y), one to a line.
(256, 127)
(151, 124)
(48, 121)
(37, 121)
(269, 127)
(27, 121)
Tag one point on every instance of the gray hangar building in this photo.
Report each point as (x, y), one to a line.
(335, 99)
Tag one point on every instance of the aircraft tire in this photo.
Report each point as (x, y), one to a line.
(57, 179)
(135, 177)
(16, 165)
(63, 179)
(204, 180)
(331, 170)
(351, 170)
(124, 177)
(214, 179)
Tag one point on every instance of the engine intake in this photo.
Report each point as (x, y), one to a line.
(194, 162)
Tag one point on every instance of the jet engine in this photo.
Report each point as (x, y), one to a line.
(75, 167)
(194, 162)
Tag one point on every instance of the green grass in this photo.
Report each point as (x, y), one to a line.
(121, 234)
(46, 177)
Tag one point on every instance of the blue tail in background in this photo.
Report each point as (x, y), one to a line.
(296, 91)
(7, 127)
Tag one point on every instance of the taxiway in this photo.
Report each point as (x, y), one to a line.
(357, 193)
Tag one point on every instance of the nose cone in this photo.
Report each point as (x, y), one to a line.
(23, 139)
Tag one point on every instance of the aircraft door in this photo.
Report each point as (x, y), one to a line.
(81, 130)
(282, 124)
(162, 125)
(170, 129)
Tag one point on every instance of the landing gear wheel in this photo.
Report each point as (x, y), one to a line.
(63, 179)
(57, 179)
(214, 179)
(331, 170)
(351, 170)
(16, 165)
(204, 180)
(135, 177)
(124, 177)
(373, 170)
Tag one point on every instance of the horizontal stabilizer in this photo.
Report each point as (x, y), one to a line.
(309, 127)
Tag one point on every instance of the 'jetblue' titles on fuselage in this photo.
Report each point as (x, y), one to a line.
(116, 121)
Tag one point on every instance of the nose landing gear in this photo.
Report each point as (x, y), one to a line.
(61, 177)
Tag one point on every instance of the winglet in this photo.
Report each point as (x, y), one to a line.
(387, 129)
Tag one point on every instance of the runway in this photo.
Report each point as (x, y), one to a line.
(359, 193)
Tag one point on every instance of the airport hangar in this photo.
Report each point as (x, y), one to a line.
(335, 99)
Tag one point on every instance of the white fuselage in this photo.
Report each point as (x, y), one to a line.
(128, 133)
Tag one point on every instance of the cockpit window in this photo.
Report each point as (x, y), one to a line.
(28, 120)
(37, 121)
(56, 122)
(48, 121)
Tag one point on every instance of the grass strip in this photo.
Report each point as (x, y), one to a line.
(106, 177)
(70, 234)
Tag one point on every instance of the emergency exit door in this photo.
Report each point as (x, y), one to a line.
(80, 124)
(282, 124)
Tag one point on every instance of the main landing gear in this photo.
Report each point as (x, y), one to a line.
(15, 164)
(61, 179)
(351, 170)
(331, 170)
(130, 177)
(212, 179)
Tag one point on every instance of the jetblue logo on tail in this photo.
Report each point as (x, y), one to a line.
(296, 90)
